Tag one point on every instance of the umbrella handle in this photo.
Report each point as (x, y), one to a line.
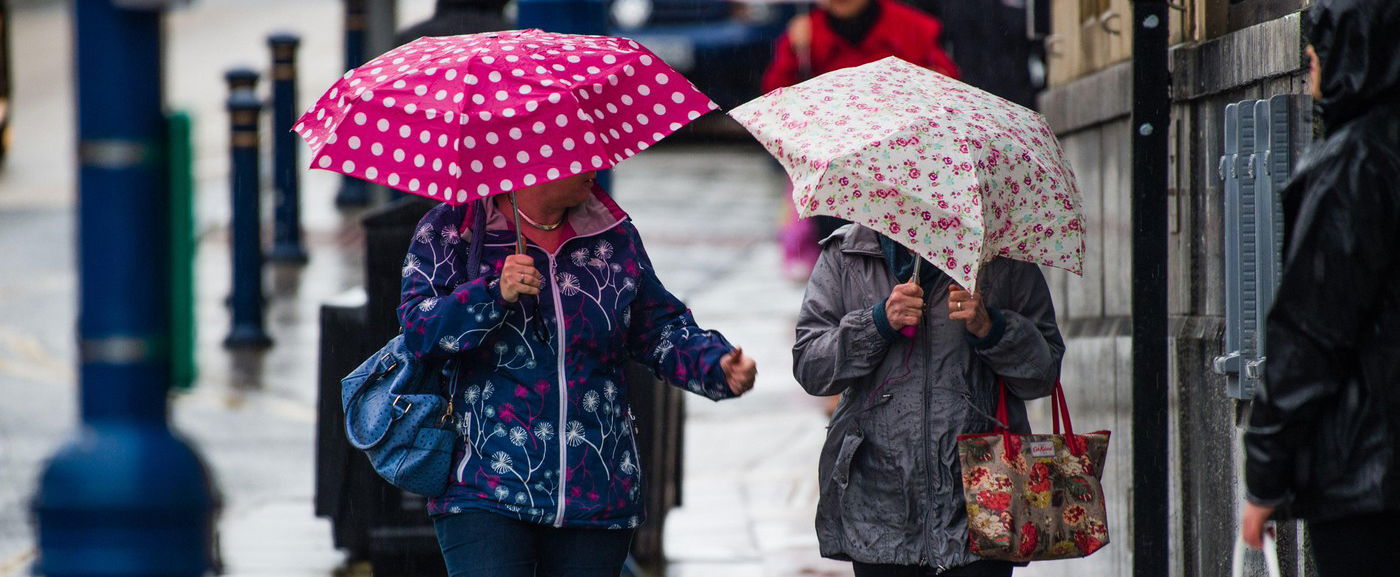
(519, 233)
(911, 331)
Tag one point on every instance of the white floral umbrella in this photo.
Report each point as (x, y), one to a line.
(955, 174)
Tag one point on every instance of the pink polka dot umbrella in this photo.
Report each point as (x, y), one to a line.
(457, 118)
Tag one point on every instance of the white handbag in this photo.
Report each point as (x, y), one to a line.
(1270, 556)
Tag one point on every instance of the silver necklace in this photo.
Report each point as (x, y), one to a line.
(544, 227)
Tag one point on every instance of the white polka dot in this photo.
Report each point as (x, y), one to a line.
(657, 136)
(447, 117)
(626, 100)
(484, 115)
(572, 59)
(643, 89)
(429, 113)
(499, 161)
(462, 195)
(539, 128)
(410, 108)
(332, 138)
(593, 70)
(300, 127)
(424, 137)
(413, 184)
(575, 167)
(554, 98)
(483, 190)
(347, 166)
(659, 109)
(389, 101)
(612, 109)
(629, 70)
(420, 89)
(470, 79)
(457, 98)
(478, 99)
(476, 166)
(661, 78)
(531, 105)
(419, 160)
(506, 185)
(675, 126)
(367, 95)
(442, 140)
(502, 95)
(494, 76)
(627, 127)
(529, 180)
(354, 143)
(400, 84)
(432, 189)
(324, 162)
(568, 144)
(450, 75)
(399, 155)
(642, 119)
(515, 134)
(360, 118)
(469, 142)
(677, 97)
(371, 173)
(693, 115)
(609, 59)
(382, 125)
(453, 169)
(437, 164)
(614, 133)
(646, 60)
(405, 131)
(589, 137)
(597, 162)
(376, 149)
(522, 157)
(546, 151)
(552, 174)
(393, 179)
(320, 114)
(525, 89)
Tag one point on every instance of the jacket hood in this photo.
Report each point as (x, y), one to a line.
(1359, 49)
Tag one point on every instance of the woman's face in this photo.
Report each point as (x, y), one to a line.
(567, 192)
(845, 8)
(1314, 74)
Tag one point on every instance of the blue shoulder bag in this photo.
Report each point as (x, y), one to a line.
(396, 414)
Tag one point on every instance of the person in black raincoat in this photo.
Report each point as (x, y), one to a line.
(453, 17)
(1323, 438)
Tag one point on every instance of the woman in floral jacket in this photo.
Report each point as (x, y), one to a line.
(546, 474)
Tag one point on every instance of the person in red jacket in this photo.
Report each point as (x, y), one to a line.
(844, 33)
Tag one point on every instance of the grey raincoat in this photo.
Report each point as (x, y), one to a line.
(891, 485)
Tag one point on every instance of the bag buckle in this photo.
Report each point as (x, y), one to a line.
(403, 410)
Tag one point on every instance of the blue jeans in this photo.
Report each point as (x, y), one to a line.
(483, 544)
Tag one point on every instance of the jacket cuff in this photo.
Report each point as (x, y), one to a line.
(993, 336)
(882, 322)
(1262, 502)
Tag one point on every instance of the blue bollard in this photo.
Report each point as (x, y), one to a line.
(241, 79)
(353, 191)
(567, 17)
(246, 300)
(286, 232)
(125, 497)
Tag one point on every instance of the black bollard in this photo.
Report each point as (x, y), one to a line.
(246, 300)
(286, 232)
(353, 191)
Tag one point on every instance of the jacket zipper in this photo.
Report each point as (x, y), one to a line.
(563, 389)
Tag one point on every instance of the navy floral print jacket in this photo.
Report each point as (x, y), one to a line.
(538, 386)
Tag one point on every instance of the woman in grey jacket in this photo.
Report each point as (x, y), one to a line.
(891, 486)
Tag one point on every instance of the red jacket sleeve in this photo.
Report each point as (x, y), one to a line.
(783, 70)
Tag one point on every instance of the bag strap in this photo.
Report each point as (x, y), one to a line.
(1059, 410)
(1003, 415)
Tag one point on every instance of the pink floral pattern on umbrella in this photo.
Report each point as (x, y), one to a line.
(460, 117)
(952, 172)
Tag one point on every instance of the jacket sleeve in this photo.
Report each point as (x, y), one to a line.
(662, 334)
(835, 347)
(1030, 349)
(782, 71)
(937, 59)
(1340, 250)
(440, 311)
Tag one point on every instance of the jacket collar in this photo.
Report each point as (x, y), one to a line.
(857, 239)
(595, 215)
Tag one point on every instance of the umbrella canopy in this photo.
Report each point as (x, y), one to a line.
(955, 174)
(457, 118)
